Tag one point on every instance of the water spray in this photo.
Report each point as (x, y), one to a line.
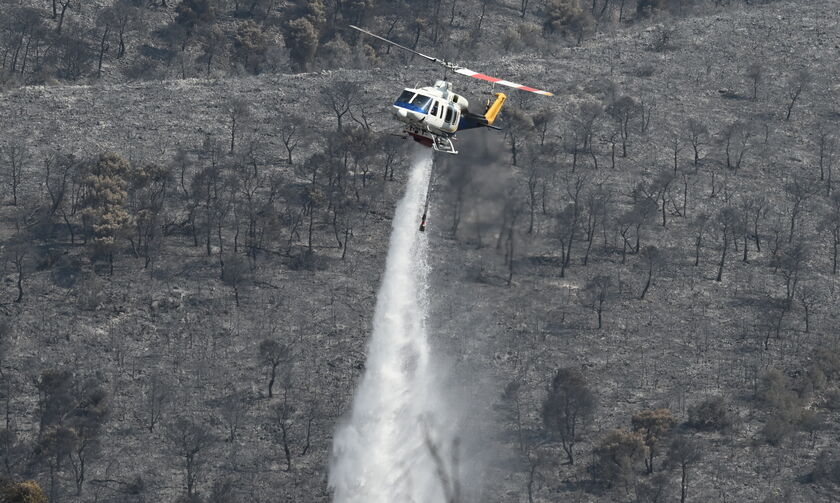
(381, 451)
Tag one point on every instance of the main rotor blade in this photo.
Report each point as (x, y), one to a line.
(430, 58)
(456, 68)
(476, 75)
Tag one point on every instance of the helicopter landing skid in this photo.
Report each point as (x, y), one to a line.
(437, 142)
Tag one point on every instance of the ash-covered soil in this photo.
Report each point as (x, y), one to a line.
(176, 326)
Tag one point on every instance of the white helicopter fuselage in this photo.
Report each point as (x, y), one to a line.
(435, 109)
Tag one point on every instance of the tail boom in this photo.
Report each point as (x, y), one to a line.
(494, 109)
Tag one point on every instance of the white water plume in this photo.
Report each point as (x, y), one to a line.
(382, 453)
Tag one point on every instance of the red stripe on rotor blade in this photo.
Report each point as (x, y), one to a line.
(539, 91)
(470, 73)
(485, 77)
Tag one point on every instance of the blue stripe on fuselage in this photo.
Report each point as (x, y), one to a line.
(468, 123)
(409, 106)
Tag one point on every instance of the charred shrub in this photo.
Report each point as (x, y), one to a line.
(831, 400)
(90, 294)
(712, 414)
(826, 468)
(617, 457)
(647, 8)
(644, 70)
(67, 271)
(307, 261)
(775, 430)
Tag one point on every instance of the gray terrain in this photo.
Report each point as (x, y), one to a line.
(633, 286)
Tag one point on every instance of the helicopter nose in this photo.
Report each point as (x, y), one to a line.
(401, 113)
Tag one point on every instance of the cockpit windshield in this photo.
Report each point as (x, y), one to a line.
(405, 97)
(418, 102)
(423, 102)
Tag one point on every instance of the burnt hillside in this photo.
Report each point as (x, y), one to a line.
(192, 245)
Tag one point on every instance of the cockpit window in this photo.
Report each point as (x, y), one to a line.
(406, 96)
(423, 102)
(418, 102)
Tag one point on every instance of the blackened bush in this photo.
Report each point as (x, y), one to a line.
(644, 70)
(775, 430)
(811, 381)
(828, 361)
(831, 400)
(712, 414)
(617, 456)
(568, 17)
(645, 8)
(89, 293)
(776, 393)
(191, 13)
(307, 261)
(520, 37)
(826, 468)
(67, 271)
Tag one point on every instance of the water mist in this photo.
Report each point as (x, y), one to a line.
(393, 443)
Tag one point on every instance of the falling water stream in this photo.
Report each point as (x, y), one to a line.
(381, 452)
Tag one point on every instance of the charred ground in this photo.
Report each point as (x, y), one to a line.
(162, 288)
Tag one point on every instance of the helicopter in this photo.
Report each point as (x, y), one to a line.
(433, 114)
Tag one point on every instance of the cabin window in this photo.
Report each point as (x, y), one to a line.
(435, 109)
(451, 115)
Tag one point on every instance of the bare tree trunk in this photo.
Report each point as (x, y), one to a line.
(103, 46)
(64, 6)
(121, 50)
(697, 243)
(271, 381)
(309, 422)
(722, 257)
(286, 451)
(311, 225)
(481, 16)
(232, 132)
(647, 284)
(19, 266)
